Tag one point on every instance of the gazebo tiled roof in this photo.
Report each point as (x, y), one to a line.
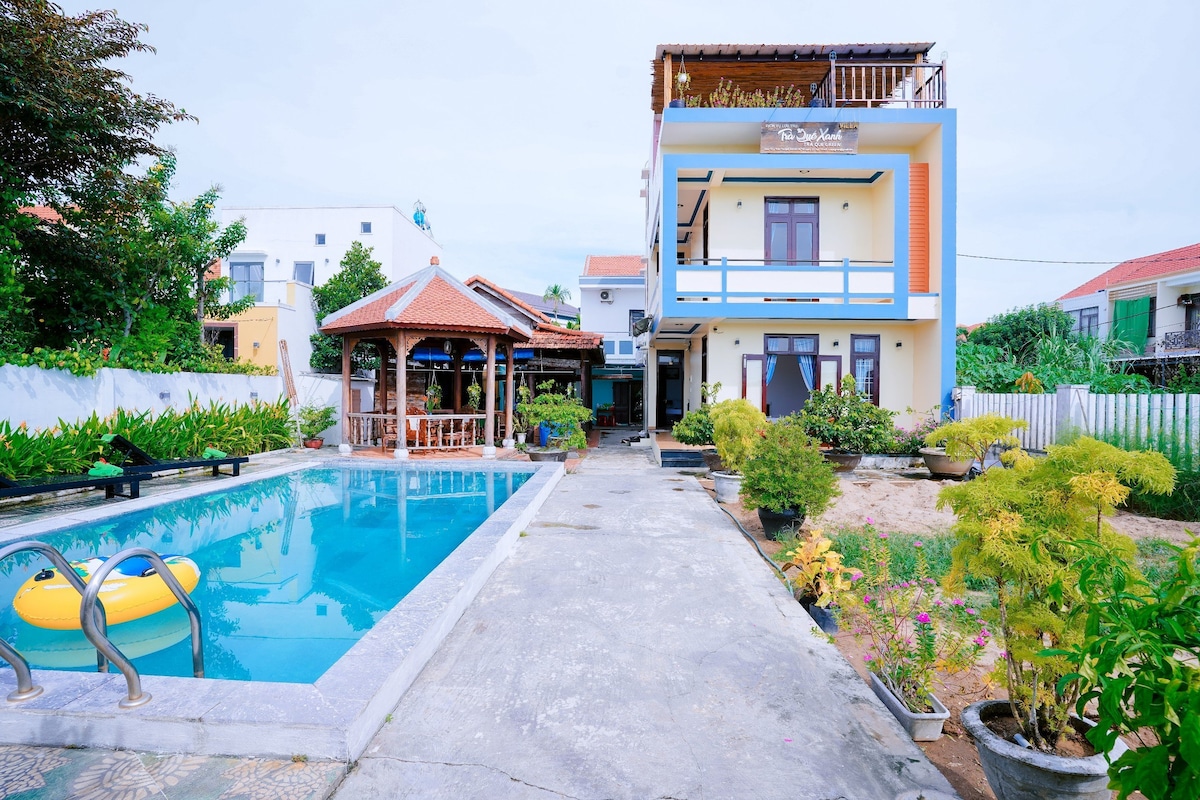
(430, 300)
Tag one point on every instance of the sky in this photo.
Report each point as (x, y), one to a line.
(523, 126)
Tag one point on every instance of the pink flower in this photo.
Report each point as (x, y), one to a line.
(883, 535)
(956, 601)
(866, 599)
(917, 543)
(867, 657)
(923, 618)
(870, 521)
(857, 576)
(972, 611)
(980, 641)
(1003, 654)
(938, 603)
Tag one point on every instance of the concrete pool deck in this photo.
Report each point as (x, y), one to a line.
(632, 646)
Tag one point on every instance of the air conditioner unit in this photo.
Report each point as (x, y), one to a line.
(1187, 299)
(606, 296)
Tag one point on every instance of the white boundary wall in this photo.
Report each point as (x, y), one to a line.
(41, 397)
(1169, 422)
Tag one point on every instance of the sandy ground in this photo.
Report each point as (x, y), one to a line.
(908, 505)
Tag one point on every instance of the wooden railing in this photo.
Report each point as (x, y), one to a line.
(425, 431)
(882, 85)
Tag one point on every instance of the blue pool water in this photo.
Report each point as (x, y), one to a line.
(294, 569)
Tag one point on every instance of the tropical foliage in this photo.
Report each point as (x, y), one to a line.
(736, 426)
(562, 412)
(70, 448)
(786, 471)
(843, 419)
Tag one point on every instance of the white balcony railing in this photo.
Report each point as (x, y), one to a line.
(757, 281)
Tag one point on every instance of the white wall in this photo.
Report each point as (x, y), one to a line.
(40, 398)
(611, 319)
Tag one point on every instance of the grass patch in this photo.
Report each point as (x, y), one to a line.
(852, 544)
(1154, 559)
(1181, 504)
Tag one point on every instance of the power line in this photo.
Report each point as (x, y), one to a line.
(1195, 259)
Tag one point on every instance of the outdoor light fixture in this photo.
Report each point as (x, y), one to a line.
(836, 342)
(845, 206)
(899, 344)
(256, 345)
(447, 348)
(682, 78)
(739, 204)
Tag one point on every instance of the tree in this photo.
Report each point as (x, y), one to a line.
(359, 276)
(557, 295)
(67, 120)
(1019, 331)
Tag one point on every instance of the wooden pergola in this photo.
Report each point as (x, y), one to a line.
(430, 306)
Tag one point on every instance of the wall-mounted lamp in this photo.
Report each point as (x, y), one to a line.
(447, 347)
(845, 206)
(737, 341)
(739, 205)
(899, 344)
(256, 345)
(836, 342)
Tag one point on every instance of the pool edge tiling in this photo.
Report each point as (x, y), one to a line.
(333, 718)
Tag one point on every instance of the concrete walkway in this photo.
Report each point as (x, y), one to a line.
(634, 646)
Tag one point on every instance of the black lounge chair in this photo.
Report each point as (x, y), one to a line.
(57, 483)
(137, 460)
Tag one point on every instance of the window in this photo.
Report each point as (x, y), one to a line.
(320, 239)
(791, 231)
(634, 315)
(247, 278)
(302, 272)
(864, 354)
(610, 347)
(1089, 321)
(625, 347)
(364, 227)
(1153, 320)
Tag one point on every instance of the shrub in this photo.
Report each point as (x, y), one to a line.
(785, 471)
(560, 411)
(973, 438)
(821, 577)
(846, 420)
(694, 428)
(315, 419)
(736, 424)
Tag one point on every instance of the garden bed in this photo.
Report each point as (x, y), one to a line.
(906, 505)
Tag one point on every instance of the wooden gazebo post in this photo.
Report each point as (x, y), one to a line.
(489, 404)
(509, 392)
(401, 450)
(347, 348)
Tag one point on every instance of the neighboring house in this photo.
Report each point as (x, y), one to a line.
(287, 252)
(563, 314)
(1152, 302)
(1157, 295)
(612, 299)
(788, 246)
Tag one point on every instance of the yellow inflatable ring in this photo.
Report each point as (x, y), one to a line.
(132, 591)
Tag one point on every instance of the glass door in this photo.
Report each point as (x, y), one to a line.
(792, 231)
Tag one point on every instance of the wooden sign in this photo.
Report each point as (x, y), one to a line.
(809, 137)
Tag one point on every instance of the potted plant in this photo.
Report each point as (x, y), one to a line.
(786, 478)
(563, 415)
(314, 420)
(848, 423)
(1027, 530)
(433, 397)
(736, 424)
(953, 448)
(913, 634)
(520, 423)
(1140, 665)
(695, 428)
(820, 577)
(474, 395)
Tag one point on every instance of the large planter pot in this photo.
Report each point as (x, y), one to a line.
(1018, 773)
(314, 443)
(941, 466)
(823, 617)
(546, 454)
(842, 462)
(728, 486)
(775, 523)
(924, 727)
(520, 437)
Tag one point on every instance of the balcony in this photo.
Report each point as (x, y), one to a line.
(847, 288)
(1176, 341)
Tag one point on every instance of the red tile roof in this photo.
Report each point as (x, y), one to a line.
(547, 335)
(429, 300)
(42, 212)
(510, 297)
(1183, 259)
(614, 266)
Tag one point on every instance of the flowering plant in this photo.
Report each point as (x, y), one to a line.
(821, 576)
(911, 440)
(913, 632)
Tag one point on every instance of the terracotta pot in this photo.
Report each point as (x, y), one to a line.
(1018, 773)
(315, 444)
(941, 466)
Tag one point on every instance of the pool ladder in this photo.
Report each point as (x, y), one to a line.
(93, 621)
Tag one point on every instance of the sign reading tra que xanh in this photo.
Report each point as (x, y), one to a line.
(809, 137)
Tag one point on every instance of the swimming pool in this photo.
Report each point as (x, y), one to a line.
(312, 579)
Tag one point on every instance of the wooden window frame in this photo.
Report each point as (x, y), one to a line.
(855, 355)
(792, 217)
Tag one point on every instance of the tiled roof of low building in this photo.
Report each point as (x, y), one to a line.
(42, 212)
(614, 266)
(536, 301)
(431, 299)
(1146, 268)
(546, 335)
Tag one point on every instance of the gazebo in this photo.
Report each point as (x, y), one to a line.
(432, 310)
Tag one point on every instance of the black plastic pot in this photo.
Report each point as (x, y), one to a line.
(775, 523)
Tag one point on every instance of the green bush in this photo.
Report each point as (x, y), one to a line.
(70, 448)
(736, 424)
(846, 420)
(558, 410)
(694, 428)
(786, 471)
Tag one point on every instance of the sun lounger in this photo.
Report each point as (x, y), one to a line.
(135, 459)
(111, 484)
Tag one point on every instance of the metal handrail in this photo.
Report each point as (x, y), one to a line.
(26, 690)
(136, 696)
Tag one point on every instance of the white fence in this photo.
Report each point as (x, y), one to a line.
(1169, 423)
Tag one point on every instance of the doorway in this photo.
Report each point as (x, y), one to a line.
(792, 231)
(670, 388)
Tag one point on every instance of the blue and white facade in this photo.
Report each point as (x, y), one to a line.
(789, 246)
